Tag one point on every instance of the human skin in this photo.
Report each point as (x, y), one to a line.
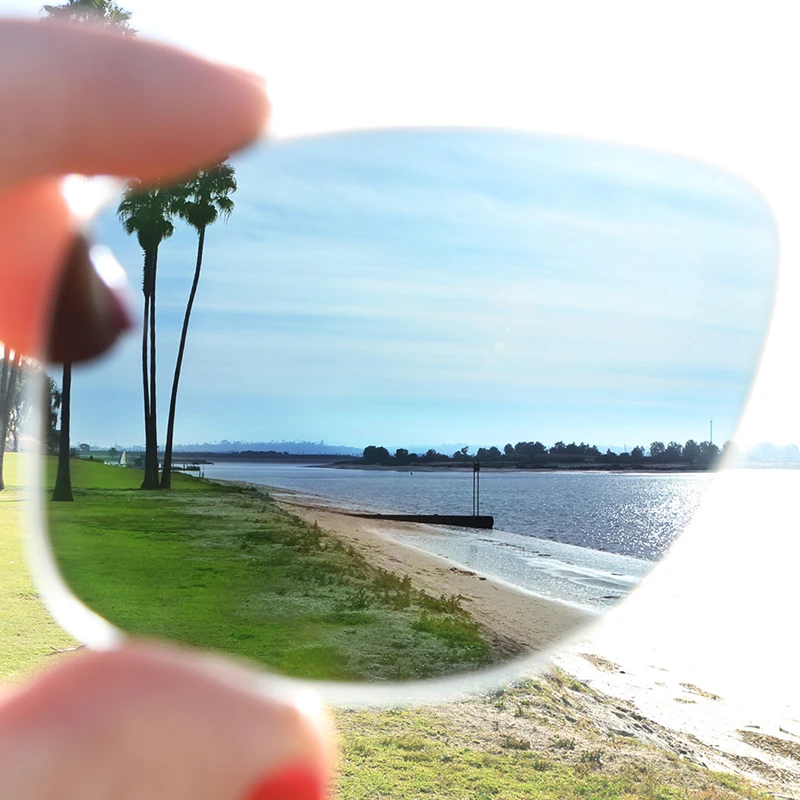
(144, 721)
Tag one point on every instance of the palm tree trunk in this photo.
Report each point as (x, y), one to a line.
(63, 487)
(145, 372)
(166, 474)
(151, 430)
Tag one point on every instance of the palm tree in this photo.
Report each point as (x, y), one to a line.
(105, 14)
(206, 199)
(148, 213)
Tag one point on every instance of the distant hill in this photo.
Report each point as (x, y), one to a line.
(766, 452)
(293, 448)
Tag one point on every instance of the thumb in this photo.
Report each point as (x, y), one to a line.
(157, 723)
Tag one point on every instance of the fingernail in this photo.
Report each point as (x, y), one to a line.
(91, 307)
(294, 783)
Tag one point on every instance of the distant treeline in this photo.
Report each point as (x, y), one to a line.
(695, 454)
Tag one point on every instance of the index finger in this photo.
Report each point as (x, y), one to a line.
(88, 101)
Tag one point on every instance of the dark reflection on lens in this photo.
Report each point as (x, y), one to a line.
(569, 316)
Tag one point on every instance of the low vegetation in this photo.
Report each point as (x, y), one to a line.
(224, 567)
(29, 637)
(542, 739)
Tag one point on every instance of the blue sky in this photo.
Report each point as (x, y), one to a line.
(453, 286)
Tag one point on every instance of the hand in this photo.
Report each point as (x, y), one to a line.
(144, 721)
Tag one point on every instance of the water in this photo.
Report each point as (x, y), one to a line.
(585, 538)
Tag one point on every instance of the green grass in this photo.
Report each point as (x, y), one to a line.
(418, 753)
(27, 632)
(225, 568)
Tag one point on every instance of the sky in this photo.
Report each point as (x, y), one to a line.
(603, 371)
(480, 287)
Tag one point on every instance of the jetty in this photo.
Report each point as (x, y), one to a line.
(473, 520)
(459, 520)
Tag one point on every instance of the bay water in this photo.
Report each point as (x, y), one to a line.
(584, 538)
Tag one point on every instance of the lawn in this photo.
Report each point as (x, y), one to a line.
(28, 635)
(225, 568)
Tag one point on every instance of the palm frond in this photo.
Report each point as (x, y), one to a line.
(148, 213)
(207, 196)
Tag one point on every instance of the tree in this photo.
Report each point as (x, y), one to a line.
(462, 454)
(148, 213)
(637, 454)
(54, 404)
(657, 449)
(9, 378)
(204, 199)
(673, 452)
(709, 453)
(432, 456)
(401, 456)
(375, 455)
(691, 450)
(103, 14)
(18, 404)
(508, 450)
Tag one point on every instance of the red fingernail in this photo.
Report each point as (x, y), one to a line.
(294, 783)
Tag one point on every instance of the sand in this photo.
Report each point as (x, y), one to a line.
(516, 621)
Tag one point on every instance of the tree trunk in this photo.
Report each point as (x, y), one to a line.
(166, 474)
(145, 370)
(4, 410)
(8, 383)
(63, 487)
(151, 429)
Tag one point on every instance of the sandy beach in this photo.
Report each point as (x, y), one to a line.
(677, 685)
(516, 621)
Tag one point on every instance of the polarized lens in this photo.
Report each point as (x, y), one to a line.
(404, 404)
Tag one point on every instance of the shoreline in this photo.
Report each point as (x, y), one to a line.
(518, 621)
(659, 469)
(650, 699)
(327, 462)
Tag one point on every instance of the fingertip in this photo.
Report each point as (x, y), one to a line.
(172, 723)
(36, 231)
(94, 102)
